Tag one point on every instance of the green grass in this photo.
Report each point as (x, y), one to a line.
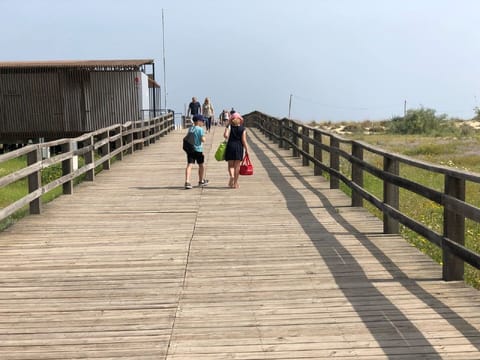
(17, 190)
(14, 191)
(460, 153)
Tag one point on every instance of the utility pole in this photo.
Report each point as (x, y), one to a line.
(290, 106)
(405, 109)
(164, 71)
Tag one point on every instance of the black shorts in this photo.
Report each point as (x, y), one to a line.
(195, 156)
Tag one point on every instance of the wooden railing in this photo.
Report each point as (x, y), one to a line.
(312, 144)
(96, 149)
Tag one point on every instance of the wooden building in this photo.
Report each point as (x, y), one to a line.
(58, 99)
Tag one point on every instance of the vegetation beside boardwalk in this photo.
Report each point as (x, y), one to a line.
(15, 191)
(423, 135)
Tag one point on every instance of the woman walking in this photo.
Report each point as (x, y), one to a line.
(208, 113)
(236, 134)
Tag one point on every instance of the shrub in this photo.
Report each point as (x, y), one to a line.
(419, 121)
(377, 129)
(354, 128)
(466, 130)
(51, 173)
(477, 113)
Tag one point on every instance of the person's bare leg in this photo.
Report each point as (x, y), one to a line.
(188, 172)
(201, 172)
(236, 173)
(231, 172)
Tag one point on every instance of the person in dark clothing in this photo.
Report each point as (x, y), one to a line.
(236, 136)
(194, 107)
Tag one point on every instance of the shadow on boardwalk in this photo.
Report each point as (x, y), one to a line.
(387, 322)
(133, 266)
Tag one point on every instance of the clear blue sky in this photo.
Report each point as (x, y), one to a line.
(339, 59)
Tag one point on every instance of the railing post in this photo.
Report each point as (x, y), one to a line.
(146, 132)
(454, 229)
(390, 196)
(156, 128)
(118, 142)
(317, 152)
(35, 180)
(138, 135)
(269, 124)
(67, 168)
(90, 158)
(295, 133)
(305, 144)
(334, 162)
(281, 133)
(105, 150)
(357, 174)
(128, 138)
(275, 128)
(270, 127)
(287, 134)
(160, 125)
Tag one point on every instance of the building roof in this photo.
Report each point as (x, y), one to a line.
(78, 64)
(92, 65)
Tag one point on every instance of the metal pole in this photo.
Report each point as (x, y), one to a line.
(164, 70)
(290, 106)
(154, 93)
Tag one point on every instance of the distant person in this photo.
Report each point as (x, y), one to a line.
(194, 107)
(224, 117)
(196, 156)
(236, 136)
(208, 113)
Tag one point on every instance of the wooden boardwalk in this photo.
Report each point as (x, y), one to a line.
(132, 266)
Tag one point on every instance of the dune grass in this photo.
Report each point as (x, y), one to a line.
(460, 153)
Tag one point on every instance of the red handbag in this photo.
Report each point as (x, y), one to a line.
(246, 167)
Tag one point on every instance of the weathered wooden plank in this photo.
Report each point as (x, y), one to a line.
(133, 266)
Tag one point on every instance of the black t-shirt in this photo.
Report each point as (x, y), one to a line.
(194, 108)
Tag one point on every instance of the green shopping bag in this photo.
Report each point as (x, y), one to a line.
(220, 153)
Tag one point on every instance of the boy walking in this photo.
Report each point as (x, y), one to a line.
(196, 155)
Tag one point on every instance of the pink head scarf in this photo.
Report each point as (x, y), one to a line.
(236, 116)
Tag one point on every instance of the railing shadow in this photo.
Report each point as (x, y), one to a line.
(395, 327)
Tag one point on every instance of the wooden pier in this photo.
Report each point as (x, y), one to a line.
(133, 266)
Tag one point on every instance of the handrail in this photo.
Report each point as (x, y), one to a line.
(97, 148)
(308, 142)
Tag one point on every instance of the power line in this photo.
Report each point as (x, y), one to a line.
(343, 107)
